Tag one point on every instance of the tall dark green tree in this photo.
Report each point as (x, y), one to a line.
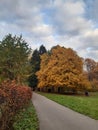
(14, 53)
(35, 63)
(42, 50)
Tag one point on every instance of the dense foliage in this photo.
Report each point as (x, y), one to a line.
(15, 69)
(62, 68)
(14, 53)
(35, 64)
(13, 97)
(92, 72)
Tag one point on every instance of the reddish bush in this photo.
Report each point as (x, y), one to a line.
(13, 97)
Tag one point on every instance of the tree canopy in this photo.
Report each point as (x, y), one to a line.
(58, 67)
(42, 50)
(35, 63)
(92, 72)
(14, 53)
(61, 68)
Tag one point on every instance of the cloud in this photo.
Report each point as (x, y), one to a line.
(70, 23)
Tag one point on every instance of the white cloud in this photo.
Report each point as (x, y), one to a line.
(42, 30)
(52, 22)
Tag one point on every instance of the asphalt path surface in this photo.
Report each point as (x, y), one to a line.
(53, 116)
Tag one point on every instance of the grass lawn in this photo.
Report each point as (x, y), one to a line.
(26, 119)
(85, 105)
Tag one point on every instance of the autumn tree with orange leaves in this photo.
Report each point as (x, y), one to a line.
(62, 69)
(92, 72)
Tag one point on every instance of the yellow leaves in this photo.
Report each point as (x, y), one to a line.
(62, 68)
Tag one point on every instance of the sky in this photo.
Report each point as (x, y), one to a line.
(69, 23)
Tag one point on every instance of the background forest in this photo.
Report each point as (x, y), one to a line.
(62, 70)
(59, 69)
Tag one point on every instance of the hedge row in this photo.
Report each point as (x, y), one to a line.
(13, 97)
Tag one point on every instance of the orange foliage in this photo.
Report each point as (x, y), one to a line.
(62, 68)
(92, 73)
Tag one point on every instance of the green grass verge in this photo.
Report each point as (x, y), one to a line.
(85, 105)
(26, 119)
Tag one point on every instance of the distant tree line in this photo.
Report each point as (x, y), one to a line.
(58, 69)
(61, 69)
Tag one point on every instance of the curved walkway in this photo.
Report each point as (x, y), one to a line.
(53, 116)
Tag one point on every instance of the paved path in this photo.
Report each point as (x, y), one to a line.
(53, 116)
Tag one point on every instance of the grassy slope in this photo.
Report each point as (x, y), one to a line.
(84, 105)
(26, 119)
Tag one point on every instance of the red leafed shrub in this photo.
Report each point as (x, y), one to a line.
(3, 96)
(13, 97)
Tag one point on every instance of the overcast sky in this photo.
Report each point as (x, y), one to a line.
(69, 23)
